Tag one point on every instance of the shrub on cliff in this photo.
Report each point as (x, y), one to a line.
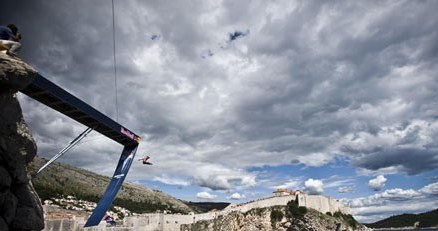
(294, 210)
(276, 215)
(347, 218)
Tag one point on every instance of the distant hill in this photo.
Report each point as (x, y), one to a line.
(203, 207)
(427, 219)
(60, 179)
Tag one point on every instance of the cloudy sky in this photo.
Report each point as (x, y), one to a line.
(236, 98)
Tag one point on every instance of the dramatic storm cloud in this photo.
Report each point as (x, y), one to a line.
(243, 96)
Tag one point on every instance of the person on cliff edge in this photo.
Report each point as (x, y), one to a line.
(10, 39)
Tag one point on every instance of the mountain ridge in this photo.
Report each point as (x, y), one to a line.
(61, 180)
(426, 219)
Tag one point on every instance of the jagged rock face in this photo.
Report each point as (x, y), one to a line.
(263, 219)
(14, 74)
(20, 206)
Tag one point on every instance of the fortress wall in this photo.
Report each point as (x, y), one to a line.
(60, 225)
(339, 206)
(169, 222)
(144, 222)
(166, 222)
(173, 221)
(206, 216)
(316, 202)
(321, 203)
(74, 224)
(272, 201)
(150, 221)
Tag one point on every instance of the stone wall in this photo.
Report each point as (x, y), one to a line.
(262, 203)
(260, 219)
(169, 222)
(20, 206)
(322, 203)
(160, 221)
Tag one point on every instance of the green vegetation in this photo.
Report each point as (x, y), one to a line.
(294, 210)
(59, 181)
(276, 215)
(143, 206)
(347, 218)
(254, 211)
(427, 219)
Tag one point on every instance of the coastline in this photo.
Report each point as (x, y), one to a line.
(407, 228)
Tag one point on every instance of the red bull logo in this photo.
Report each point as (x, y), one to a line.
(129, 134)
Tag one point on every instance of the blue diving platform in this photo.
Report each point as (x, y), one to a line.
(53, 96)
(50, 94)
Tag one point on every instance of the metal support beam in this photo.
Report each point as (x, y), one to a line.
(50, 94)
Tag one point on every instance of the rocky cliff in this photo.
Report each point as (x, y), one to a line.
(277, 218)
(20, 207)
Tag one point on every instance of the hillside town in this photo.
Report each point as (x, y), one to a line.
(73, 204)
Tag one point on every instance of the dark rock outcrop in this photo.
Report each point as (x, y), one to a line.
(20, 206)
(14, 74)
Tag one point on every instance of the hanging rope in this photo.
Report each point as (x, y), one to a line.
(64, 150)
(115, 61)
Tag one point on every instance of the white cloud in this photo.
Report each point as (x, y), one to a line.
(378, 199)
(236, 196)
(377, 183)
(378, 212)
(431, 189)
(221, 178)
(381, 171)
(394, 201)
(315, 159)
(172, 180)
(291, 184)
(314, 186)
(206, 195)
(346, 189)
(337, 181)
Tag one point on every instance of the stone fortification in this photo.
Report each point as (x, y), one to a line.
(261, 203)
(322, 203)
(20, 207)
(160, 221)
(268, 219)
(168, 222)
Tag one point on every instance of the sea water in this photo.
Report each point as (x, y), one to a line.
(421, 229)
